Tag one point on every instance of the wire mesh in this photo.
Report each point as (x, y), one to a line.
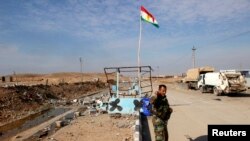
(128, 77)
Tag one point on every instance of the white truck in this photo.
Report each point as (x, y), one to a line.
(247, 77)
(222, 82)
(192, 76)
(246, 74)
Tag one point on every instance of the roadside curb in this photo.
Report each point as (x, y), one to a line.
(137, 128)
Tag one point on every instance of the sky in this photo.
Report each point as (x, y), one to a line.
(46, 36)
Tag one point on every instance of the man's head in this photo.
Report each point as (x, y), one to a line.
(162, 90)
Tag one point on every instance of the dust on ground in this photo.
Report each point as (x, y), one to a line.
(95, 128)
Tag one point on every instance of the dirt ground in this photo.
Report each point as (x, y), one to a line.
(192, 113)
(96, 128)
(30, 93)
(53, 78)
(19, 101)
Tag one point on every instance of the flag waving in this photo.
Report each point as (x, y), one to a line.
(148, 17)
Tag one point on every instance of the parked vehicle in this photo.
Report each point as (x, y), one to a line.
(222, 82)
(192, 76)
(247, 77)
(244, 72)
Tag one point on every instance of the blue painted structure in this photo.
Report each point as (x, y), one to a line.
(124, 106)
(126, 96)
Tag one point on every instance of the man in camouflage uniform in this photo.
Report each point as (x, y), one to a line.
(161, 113)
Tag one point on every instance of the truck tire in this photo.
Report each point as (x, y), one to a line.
(189, 86)
(196, 88)
(202, 89)
(216, 91)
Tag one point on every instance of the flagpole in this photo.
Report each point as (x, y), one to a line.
(138, 58)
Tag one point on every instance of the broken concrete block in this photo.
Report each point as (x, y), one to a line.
(75, 100)
(92, 111)
(77, 114)
(82, 113)
(59, 124)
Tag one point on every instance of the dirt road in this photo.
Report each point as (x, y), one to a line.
(193, 111)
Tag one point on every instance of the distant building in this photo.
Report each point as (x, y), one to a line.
(8, 78)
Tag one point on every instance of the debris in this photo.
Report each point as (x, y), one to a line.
(65, 122)
(45, 132)
(52, 139)
(59, 124)
(75, 100)
(18, 137)
(126, 139)
(18, 101)
(77, 114)
(218, 99)
(116, 115)
(92, 111)
(82, 114)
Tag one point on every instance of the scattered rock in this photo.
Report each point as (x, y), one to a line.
(77, 114)
(65, 122)
(18, 137)
(58, 124)
(52, 139)
(126, 139)
(218, 99)
(92, 111)
(82, 114)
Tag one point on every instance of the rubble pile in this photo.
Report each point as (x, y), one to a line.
(19, 101)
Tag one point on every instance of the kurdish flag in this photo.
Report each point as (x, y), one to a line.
(148, 17)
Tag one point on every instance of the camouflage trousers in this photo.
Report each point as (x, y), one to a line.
(160, 129)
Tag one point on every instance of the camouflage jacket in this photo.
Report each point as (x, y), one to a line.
(160, 107)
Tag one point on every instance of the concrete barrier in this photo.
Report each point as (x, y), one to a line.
(137, 128)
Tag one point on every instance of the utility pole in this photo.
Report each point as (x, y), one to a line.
(81, 69)
(158, 75)
(193, 56)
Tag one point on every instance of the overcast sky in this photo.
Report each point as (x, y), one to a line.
(44, 36)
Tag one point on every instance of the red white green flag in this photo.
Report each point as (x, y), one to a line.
(148, 17)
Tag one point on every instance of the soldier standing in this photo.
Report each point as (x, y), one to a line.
(161, 113)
